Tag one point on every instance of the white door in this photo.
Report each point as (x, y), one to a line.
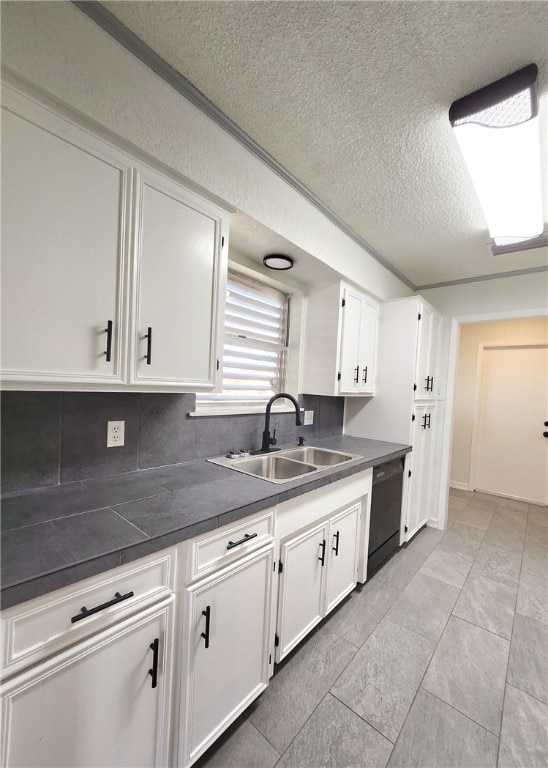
(63, 248)
(95, 705)
(302, 584)
(342, 555)
(512, 452)
(178, 279)
(228, 619)
(368, 338)
(350, 338)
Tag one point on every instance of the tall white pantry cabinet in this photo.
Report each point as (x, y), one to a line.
(404, 409)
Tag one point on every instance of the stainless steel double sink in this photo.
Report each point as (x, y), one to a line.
(288, 464)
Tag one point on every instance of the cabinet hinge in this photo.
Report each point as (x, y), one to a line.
(280, 566)
(409, 473)
(343, 303)
(420, 316)
(339, 376)
(223, 245)
(406, 529)
(276, 640)
(414, 387)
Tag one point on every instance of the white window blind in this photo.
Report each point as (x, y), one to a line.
(255, 345)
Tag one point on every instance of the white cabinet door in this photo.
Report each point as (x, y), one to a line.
(343, 553)
(357, 344)
(228, 621)
(367, 346)
(95, 704)
(179, 286)
(349, 366)
(302, 585)
(427, 353)
(64, 222)
(419, 484)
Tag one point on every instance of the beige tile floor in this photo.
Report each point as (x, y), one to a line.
(441, 659)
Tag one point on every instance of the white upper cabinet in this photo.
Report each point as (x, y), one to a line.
(427, 353)
(64, 213)
(177, 279)
(341, 337)
(114, 275)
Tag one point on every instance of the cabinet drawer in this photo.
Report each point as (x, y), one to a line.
(226, 544)
(42, 626)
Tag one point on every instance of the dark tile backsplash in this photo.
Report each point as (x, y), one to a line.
(49, 438)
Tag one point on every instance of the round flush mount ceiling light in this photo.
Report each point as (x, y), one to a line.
(278, 261)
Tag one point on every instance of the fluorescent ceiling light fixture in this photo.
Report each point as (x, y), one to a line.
(498, 132)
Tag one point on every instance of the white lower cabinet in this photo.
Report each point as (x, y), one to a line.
(302, 587)
(226, 646)
(318, 569)
(342, 555)
(419, 463)
(103, 702)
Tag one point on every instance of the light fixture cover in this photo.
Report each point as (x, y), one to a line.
(498, 132)
(278, 261)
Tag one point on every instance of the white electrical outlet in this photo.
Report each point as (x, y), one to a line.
(115, 433)
(308, 418)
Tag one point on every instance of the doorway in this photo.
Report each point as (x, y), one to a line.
(509, 455)
(467, 335)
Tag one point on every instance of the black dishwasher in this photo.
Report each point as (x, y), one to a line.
(385, 520)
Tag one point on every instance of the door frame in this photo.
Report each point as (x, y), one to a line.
(453, 351)
(474, 449)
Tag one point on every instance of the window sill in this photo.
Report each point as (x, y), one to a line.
(240, 410)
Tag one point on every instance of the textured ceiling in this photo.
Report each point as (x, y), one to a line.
(352, 98)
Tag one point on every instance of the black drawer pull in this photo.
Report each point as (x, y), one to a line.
(205, 635)
(357, 374)
(247, 537)
(85, 612)
(364, 380)
(108, 350)
(322, 556)
(154, 671)
(148, 337)
(336, 547)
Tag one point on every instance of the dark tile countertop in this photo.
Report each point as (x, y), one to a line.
(58, 536)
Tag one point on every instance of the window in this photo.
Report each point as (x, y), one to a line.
(255, 346)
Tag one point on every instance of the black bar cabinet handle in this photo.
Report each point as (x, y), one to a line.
(85, 612)
(431, 383)
(247, 537)
(424, 421)
(364, 380)
(357, 374)
(429, 419)
(205, 635)
(322, 557)
(336, 547)
(148, 337)
(154, 671)
(108, 350)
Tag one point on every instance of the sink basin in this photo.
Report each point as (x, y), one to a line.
(321, 457)
(274, 468)
(288, 464)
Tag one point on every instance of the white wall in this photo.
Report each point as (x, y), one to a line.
(59, 49)
(522, 331)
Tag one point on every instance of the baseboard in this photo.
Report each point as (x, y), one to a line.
(459, 486)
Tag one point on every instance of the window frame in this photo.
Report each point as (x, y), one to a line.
(292, 352)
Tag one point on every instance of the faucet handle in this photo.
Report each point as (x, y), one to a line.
(273, 440)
